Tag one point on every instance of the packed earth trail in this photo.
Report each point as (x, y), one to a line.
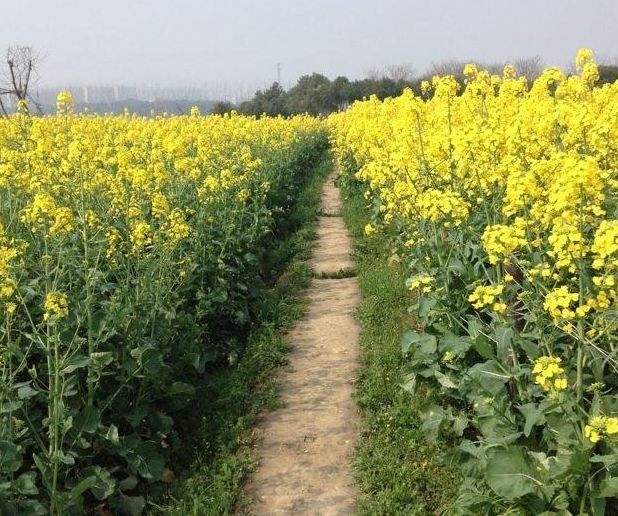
(305, 447)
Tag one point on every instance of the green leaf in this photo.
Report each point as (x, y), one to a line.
(82, 486)
(101, 360)
(608, 487)
(147, 461)
(490, 376)
(608, 460)
(455, 344)
(534, 416)
(424, 342)
(10, 456)
(134, 505)
(112, 434)
(129, 483)
(509, 474)
(460, 423)
(425, 306)
(445, 380)
(87, 420)
(75, 362)
(105, 483)
(151, 360)
(409, 383)
(504, 336)
(25, 484)
(432, 420)
(598, 506)
(181, 388)
(26, 391)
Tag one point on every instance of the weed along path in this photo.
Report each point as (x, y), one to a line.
(304, 447)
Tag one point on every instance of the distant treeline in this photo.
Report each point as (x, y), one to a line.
(318, 95)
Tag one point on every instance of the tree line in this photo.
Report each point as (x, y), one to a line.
(316, 94)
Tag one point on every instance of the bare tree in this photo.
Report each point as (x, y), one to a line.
(19, 76)
(530, 67)
(398, 73)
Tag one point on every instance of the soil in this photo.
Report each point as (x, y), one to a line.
(305, 447)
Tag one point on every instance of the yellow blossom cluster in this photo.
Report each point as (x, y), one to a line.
(600, 426)
(530, 168)
(420, 282)
(126, 188)
(55, 306)
(488, 296)
(549, 373)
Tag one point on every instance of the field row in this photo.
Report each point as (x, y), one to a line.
(499, 199)
(131, 257)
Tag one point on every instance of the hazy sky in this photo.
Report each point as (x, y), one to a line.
(178, 42)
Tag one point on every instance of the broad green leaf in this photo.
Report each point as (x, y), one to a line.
(25, 484)
(409, 383)
(534, 416)
(445, 380)
(87, 420)
(490, 376)
(608, 487)
(112, 435)
(75, 362)
(412, 341)
(148, 461)
(101, 360)
(455, 344)
(129, 483)
(460, 423)
(432, 420)
(134, 505)
(425, 306)
(82, 486)
(181, 388)
(10, 456)
(105, 483)
(509, 473)
(504, 336)
(26, 391)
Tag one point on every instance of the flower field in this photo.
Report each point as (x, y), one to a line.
(130, 254)
(500, 198)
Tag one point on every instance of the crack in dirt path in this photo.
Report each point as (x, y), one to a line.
(305, 446)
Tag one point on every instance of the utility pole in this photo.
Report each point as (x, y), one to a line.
(279, 73)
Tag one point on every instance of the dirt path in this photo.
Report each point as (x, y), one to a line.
(305, 446)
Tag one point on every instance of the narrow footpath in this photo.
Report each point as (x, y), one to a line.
(304, 447)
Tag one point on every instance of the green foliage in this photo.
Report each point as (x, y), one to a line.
(316, 94)
(95, 409)
(398, 470)
(218, 449)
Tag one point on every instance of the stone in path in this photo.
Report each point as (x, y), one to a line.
(304, 447)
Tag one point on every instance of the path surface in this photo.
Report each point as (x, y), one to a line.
(305, 446)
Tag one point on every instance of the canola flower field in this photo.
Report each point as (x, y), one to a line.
(499, 197)
(130, 253)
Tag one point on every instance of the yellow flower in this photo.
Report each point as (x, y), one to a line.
(55, 306)
(141, 236)
(600, 426)
(487, 296)
(558, 303)
(549, 374)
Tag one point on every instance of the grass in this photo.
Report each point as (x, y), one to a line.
(220, 451)
(398, 471)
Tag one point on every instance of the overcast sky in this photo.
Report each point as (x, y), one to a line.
(182, 42)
